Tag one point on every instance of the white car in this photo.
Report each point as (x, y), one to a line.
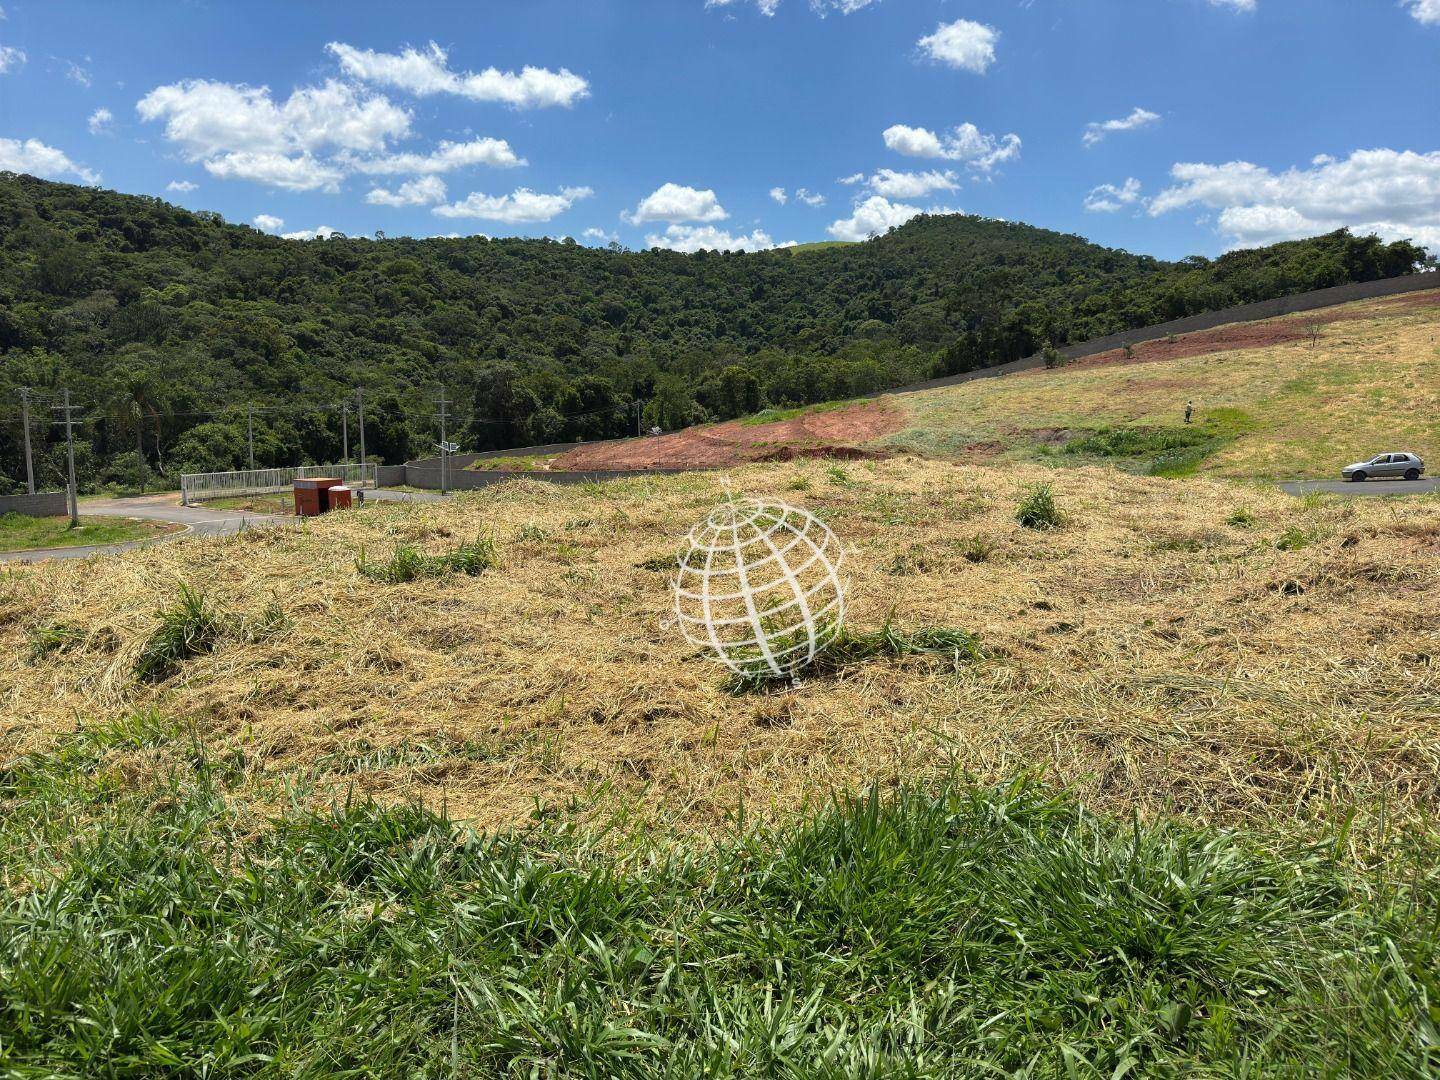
(1395, 466)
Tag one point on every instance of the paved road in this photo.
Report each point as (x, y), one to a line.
(197, 520)
(1369, 488)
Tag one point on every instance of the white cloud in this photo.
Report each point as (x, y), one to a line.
(1109, 199)
(600, 236)
(1425, 11)
(853, 178)
(302, 173)
(969, 46)
(979, 150)
(34, 157)
(207, 118)
(421, 191)
(894, 184)
(876, 214)
(820, 7)
(693, 238)
(676, 203)
(77, 74)
(1138, 118)
(11, 58)
(181, 186)
(520, 207)
(311, 140)
(1395, 194)
(802, 195)
(320, 232)
(1235, 5)
(268, 223)
(100, 121)
(449, 156)
(427, 72)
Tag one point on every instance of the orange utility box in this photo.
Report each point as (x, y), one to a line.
(319, 495)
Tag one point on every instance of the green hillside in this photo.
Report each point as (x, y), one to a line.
(165, 324)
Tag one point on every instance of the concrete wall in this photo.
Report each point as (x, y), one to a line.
(389, 475)
(45, 504)
(1264, 309)
(426, 474)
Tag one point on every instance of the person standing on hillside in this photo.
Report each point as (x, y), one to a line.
(1189, 410)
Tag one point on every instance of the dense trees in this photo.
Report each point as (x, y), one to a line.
(167, 323)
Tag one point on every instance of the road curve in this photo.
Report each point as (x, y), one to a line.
(197, 522)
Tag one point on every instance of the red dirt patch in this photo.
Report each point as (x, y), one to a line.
(838, 433)
(1257, 335)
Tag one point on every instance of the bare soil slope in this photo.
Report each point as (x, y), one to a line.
(833, 433)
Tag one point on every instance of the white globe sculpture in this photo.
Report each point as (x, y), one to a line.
(759, 584)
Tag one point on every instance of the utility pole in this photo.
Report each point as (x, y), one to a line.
(250, 433)
(444, 449)
(360, 403)
(25, 420)
(639, 414)
(345, 432)
(69, 422)
(138, 417)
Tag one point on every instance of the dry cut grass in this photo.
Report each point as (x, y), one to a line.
(1221, 652)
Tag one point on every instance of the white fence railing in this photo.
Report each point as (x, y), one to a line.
(196, 487)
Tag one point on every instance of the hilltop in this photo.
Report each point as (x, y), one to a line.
(164, 323)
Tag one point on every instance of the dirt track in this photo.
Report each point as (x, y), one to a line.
(836, 433)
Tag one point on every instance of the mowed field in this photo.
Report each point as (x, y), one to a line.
(1187, 647)
(1295, 397)
(436, 790)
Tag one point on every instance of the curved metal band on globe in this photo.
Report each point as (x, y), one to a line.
(774, 628)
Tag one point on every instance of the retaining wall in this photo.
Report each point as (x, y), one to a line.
(426, 474)
(1263, 309)
(44, 504)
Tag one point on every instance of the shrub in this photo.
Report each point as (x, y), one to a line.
(409, 564)
(188, 628)
(1037, 510)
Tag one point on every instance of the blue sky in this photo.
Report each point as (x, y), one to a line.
(1170, 127)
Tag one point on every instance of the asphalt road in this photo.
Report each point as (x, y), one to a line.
(1367, 489)
(197, 521)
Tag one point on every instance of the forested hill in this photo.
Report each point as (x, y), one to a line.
(165, 323)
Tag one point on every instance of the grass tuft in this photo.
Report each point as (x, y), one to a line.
(408, 563)
(188, 628)
(1037, 509)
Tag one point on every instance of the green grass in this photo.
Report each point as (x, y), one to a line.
(1037, 509)
(775, 416)
(409, 564)
(21, 533)
(270, 503)
(848, 648)
(1171, 451)
(154, 929)
(189, 627)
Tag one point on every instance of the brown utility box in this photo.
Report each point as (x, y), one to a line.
(317, 495)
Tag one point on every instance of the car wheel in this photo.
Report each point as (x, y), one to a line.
(1412, 474)
(1358, 477)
